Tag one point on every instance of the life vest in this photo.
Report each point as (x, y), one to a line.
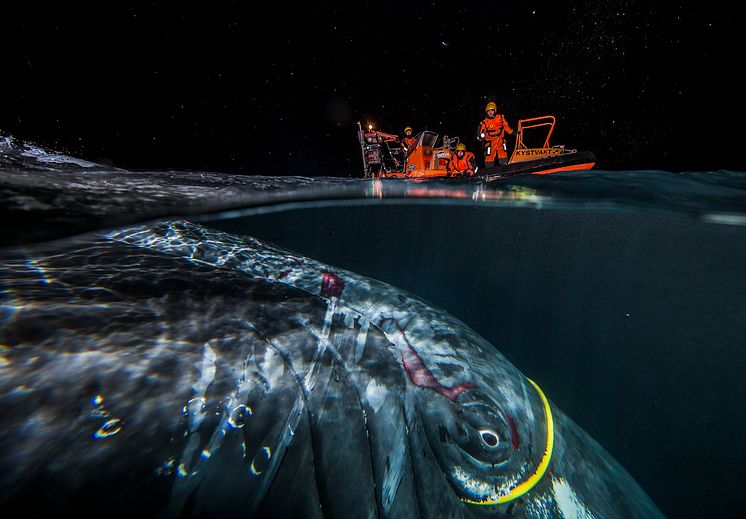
(407, 142)
(494, 127)
(464, 165)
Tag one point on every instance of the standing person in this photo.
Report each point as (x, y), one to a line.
(492, 132)
(407, 141)
(463, 163)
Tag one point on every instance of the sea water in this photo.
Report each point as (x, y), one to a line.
(624, 293)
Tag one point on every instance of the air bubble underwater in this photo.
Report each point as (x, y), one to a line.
(99, 411)
(194, 405)
(110, 428)
(260, 462)
(238, 416)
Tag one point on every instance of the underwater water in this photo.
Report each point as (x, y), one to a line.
(635, 322)
(130, 300)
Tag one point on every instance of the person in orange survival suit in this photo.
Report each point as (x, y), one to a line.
(462, 163)
(408, 140)
(492, 132)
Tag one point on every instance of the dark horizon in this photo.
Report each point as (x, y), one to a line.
(278, 90)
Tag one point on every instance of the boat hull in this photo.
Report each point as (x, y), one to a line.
(578, 161)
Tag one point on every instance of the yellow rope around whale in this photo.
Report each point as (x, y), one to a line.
(532, 480)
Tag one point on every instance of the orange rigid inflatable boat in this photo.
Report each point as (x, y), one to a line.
(428, 157)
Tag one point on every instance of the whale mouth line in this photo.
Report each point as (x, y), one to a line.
(531, 481)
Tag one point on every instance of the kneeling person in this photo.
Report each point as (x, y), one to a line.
(463, 163)
(408, 141)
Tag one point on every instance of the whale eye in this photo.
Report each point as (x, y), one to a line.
(489, 438)
(491, 447)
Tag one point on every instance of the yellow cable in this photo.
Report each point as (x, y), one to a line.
(530, 482)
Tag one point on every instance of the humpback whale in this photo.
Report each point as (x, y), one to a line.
(172, 370)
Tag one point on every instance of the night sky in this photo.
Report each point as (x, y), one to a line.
(273, 88)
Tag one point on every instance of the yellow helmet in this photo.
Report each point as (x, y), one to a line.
(461, 147)
(490, 106)
(408, 128)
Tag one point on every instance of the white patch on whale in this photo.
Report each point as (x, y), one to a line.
(362, 338)
(376, 394)
(395, 472)
(567, 501)
(195, 407)
(273, 367)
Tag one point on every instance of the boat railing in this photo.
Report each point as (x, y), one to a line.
(535, 122)
(522, 153)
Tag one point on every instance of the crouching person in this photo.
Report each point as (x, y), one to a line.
(462, 163)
